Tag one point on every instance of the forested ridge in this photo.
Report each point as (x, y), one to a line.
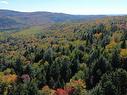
(15, 20)
(85, 58)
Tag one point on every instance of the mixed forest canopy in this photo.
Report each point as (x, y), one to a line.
(81, 58)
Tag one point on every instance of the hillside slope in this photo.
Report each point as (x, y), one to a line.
(15, 20)
(87, 58)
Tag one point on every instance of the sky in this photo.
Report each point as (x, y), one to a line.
(80, 7)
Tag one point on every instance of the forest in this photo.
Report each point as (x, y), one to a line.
(81, 58)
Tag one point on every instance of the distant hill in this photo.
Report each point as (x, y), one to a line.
(18, 20)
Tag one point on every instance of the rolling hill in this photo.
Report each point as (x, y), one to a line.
(17, 20)
(82, 58)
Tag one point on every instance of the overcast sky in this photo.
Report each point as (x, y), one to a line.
(68, 6)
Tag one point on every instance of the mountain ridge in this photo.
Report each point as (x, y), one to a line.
(10, 19)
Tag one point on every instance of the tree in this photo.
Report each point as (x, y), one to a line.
(97, 69)
(55, 70)
(65, 69)
(74, 66)
(48, 55)
(114, 83)
(115, 59)
(96, 90)
(18, 67)
(78, 87)
(39, 55)
(32, 88)
(123, 44)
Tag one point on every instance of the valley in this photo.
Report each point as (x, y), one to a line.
(45, 53)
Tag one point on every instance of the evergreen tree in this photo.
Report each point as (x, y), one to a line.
(18, 67)
(123, 44)
(115, 59)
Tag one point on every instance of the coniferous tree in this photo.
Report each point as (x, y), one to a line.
(123, 44)
(115, 60)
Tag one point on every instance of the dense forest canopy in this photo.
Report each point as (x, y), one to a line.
(86, 58)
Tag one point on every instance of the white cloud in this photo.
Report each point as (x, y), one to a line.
(4, 2)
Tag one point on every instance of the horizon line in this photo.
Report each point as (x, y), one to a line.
(114, 14)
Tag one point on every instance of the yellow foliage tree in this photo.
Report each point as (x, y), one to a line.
(47, 91)
(8, 79)
(123, 53)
